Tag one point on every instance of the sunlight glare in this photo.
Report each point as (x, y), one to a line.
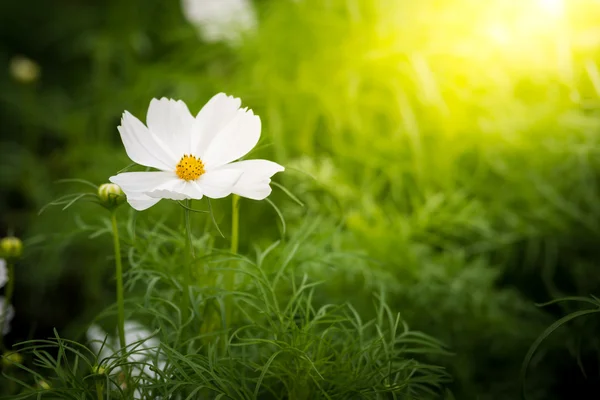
(552, 7)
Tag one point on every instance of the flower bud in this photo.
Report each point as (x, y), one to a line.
(111, 195)
(98, 370)
(11, 247)
(24, 70)
(44, 385)
(11, 357)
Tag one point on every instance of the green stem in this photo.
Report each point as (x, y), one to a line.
(120, 296)
(230, 275)
(189, 255)
(119, 276)
(10, 287)
(235, 222)
(188, 228)
(99, 390)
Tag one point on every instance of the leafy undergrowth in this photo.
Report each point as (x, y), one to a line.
(282, 342)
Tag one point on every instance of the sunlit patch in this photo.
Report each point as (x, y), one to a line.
(189, 168)
(554, 7)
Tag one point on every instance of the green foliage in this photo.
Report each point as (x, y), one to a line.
(457, 175)
(283, 343)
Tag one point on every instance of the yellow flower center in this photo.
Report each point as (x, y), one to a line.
(189, 168)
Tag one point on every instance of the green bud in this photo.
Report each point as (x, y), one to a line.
(111, 195)
(24, 70)
(11, 247)
(11, 357)
(44, 385)
(98, 370)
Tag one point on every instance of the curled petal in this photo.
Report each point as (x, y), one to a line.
(144, 147)
(255, 179)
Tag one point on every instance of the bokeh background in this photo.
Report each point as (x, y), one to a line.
(447, 152)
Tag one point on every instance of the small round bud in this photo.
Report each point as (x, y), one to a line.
(98, 370)
(11, 357)
(44, 385)
(11, 247)
(24, 70)
(111, 195)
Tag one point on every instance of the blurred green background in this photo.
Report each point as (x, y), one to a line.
(452, 147)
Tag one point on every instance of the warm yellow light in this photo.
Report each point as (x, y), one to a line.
(553, 7)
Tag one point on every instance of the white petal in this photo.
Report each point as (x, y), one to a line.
(6, 318)
(255, 179)
(254, 192)
(144, 147)
(233, 141)
(214, 116)
(171, 121)
(3, 273)
(254, 171)
(219, 183)
(142, 181)
(141, 202)
(140, 342)
(136, 184)
(218, 20)
(177, 189)
(99, 343)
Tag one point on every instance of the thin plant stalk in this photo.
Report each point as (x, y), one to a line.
(235, 222)
(10, 287)
(119, 277)
(99, 390)
(189, 254)
(230, 275)
(120, 295)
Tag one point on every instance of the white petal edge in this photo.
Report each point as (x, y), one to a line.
(219, 183)
(255, 171)
(177, 189)
(212, 118)
(171, 121)
(143, 147)
(255, 179)
(141, 202)
(254, 192)
(136, 184)
(142, 181)
(235, 140)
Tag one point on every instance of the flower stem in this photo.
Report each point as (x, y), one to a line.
(230, 275)
(119, 276)
(99, 390)
(120, 296)
(235, 222)
(189, 256)
(10, 287)
(188, 228)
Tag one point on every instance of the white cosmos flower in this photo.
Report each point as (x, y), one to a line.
(6, 318)
(10, 311)
(3, 273)
(144, 348)
(194, 154)
(220, 20)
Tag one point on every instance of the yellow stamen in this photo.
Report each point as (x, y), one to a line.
(189, 168)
